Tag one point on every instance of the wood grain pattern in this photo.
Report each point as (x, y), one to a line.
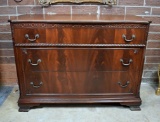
(81, 59)
(71, 68)
(78, 83)
(87, 35)
(79, 18)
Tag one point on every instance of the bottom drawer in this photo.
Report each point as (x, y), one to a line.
(79, 83)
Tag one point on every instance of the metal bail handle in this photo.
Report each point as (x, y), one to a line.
(38, 61)
(32, 40)
(36, 86)
(123, 86)
(128, 40)
(124, 64)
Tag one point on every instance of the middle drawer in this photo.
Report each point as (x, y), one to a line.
(81, 59)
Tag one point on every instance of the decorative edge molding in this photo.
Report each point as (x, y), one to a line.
(97, 94)
(79, 45)
(47, 25)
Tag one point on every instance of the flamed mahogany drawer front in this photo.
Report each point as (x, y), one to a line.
(30, 35)
(79, 82)
(81, 59)
(87, 34)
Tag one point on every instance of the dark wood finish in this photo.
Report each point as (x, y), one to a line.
(79, 59)
(133, 106)
(94, 34)
(26, 107)
(79, 18)
(79, 83)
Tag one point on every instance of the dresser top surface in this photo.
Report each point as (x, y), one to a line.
(81, 18)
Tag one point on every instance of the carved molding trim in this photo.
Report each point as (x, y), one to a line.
(46, 25)
(79, 45)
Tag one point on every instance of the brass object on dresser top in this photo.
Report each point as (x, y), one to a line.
(158, 89)
(48, 2)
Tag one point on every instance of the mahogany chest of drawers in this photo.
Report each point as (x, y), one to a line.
(79, 59)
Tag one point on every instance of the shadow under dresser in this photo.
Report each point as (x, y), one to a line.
(79, 59)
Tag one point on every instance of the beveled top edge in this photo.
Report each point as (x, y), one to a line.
(78, 18)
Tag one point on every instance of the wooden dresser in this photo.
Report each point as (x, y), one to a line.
(79, 59)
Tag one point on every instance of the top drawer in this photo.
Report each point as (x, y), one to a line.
(82, 34)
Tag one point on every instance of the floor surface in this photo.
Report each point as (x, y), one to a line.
(4, 92)
(150, 111)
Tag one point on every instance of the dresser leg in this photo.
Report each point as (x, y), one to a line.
(26, 107)
(133, 106)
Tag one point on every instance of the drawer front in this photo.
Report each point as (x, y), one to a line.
(81, 59)
(78, 83)
(29, 35)
(81, 34)
(96, 36)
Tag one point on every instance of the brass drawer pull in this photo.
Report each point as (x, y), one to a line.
(36, 86)
(32, 40)
(38, 61)
(123, 86)
(130, 60)
(127, 40)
